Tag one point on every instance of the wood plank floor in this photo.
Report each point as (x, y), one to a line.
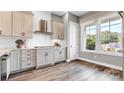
(73, 71)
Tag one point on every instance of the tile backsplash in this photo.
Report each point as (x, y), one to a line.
(7, 42)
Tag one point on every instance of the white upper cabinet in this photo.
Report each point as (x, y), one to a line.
(22, 24)
(28, 24)
(5, 23)
(58, 30)
(17, 24)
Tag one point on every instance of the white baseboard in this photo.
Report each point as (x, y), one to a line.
(101, 63)
(68, 60)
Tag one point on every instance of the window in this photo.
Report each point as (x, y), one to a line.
(90, 37)
(111, 39)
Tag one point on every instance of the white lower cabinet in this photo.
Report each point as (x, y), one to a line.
(50, 56)
(41, 57)
(27, 58)
(60, 54)
(45, 56)
(21, 59)
(15, 60)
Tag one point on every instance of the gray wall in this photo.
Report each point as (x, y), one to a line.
(73, 18)
(108, 59)
(56, 18)
(66, 18)
(101, 58)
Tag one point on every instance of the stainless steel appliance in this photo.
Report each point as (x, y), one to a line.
(5, 58)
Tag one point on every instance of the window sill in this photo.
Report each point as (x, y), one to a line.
(103, 53)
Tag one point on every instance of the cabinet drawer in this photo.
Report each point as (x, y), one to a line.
(27, 64)
(26, 59)
(41, 50)
(26, 51)
(26, 55)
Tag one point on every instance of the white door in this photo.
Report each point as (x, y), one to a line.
(73, 40)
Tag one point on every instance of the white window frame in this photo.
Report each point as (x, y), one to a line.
(98, 36)
(85, 37)
(109, 20)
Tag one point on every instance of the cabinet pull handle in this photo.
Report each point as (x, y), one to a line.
(23, 34)
(46, 54)
(60, 52)
(0, 32)
(28, 58)
(29, 64)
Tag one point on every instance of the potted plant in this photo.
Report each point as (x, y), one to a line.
(20, 43)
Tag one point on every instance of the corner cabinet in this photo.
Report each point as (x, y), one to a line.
(60, 54)
(58, 30)
(22, 24)
(5, 23)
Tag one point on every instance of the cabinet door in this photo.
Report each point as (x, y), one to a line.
(27, 60)
(74, 29)
(18, 24)
(62, 54)
(40, 58)
(55, 29)
(57, 54)
(27, 64)
(49, 56)
(28, 24)
(61, 30)
(5, 23)
(14, 61)
(58, 30)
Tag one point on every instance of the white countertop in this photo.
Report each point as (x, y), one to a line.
(8, 50)
(4, 51)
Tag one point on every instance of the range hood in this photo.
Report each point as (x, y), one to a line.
(42, 27)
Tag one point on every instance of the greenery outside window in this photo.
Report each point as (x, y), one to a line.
(111, 39)
(90, 37)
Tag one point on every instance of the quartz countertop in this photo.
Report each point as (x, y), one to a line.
(4, 51)
(8, 50)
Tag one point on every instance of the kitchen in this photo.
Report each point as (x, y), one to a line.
(61, 46)
(42, 40)
(38, 40)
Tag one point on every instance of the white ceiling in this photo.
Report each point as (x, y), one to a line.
(77, 13)
(59, 13)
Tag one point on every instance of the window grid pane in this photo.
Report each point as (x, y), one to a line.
(90, 37)
(111, 39)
